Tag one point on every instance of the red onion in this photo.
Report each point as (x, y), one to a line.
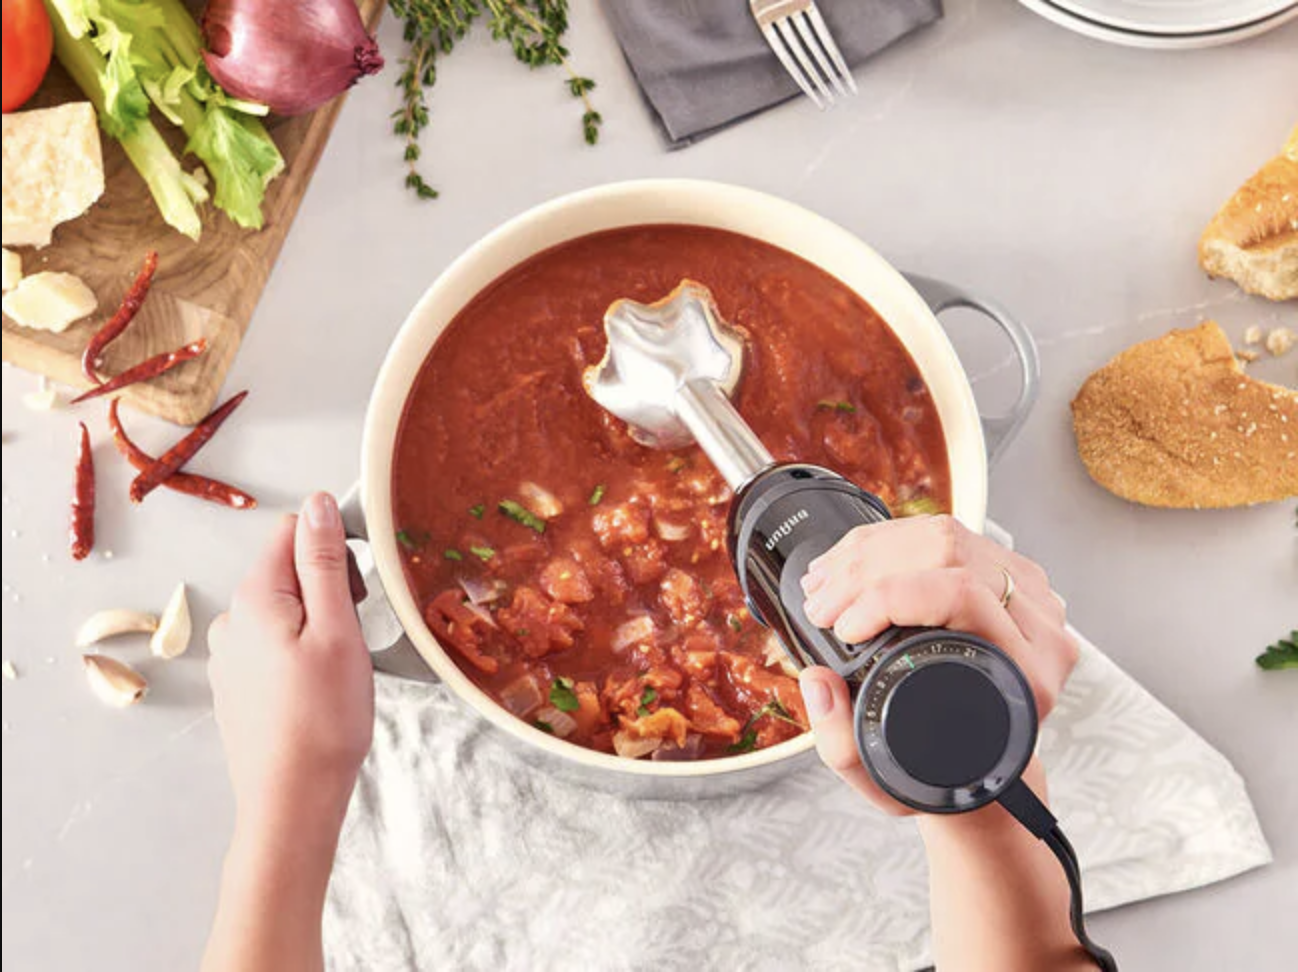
(290, 55)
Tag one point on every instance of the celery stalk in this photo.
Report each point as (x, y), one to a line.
(166, 52)
(154, 52)
(174, 190)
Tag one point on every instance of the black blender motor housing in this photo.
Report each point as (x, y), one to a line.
(945, 721)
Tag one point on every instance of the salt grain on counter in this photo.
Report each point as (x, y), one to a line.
(7, 669)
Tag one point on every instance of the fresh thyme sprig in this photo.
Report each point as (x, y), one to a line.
(533, 29)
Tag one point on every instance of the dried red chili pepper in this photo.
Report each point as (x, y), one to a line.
(146, 369)
(81, 534)
(212, 490)
(170, 461)
(130, 306)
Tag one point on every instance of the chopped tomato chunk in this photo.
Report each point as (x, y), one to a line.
(663, 724)
(622, 694)
(645, 562)
(452, 621)
(590, 715)
(626, 523)
(564, 580)
(540, 625)
(707, 716)
(754, 686)
(684, 597)
(605, 574)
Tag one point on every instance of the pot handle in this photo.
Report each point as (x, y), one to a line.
(392, 652)
(998, 430)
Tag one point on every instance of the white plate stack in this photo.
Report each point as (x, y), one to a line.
(1167, 24)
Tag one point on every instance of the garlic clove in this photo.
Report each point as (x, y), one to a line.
(114, 622)
(116, 683)
(172, 637)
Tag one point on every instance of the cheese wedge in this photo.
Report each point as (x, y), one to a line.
(49, 301)
(53, 170)
(13, 270)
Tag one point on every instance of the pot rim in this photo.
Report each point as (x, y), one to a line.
(737, 209)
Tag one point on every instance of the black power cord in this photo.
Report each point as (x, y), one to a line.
(1023, 804)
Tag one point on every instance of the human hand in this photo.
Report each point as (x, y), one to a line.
(926, 571)
(292, 683)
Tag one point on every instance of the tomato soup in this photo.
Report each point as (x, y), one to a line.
(582, 579)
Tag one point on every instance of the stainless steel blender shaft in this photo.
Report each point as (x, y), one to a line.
(721, 432)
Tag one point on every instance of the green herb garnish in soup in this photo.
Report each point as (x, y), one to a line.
(596, 495)
(521, 514)
(482, 553)
(450, 553)
(477, 510)
(647, 698)
(562, 696)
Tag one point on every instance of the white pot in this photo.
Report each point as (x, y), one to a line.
(898, 301)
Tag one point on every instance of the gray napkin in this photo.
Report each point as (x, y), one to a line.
(703, 64)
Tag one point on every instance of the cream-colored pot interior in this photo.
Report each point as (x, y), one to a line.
(739, 210)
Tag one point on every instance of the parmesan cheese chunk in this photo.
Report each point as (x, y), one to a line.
(49, 301)
(53, 170)
(13, 270)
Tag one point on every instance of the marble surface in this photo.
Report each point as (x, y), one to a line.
(1066, 178)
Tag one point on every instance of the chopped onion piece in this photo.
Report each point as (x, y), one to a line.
(483, 613)
(670, 531)
(670, 752)
(632, 632)
(522, 695)
(773, 653)
(540, 501)
(629, 748)
(481, 590)
(563, 724)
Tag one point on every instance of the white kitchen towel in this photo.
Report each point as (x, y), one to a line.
(457, 854)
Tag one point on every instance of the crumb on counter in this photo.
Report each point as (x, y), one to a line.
(1280, 340)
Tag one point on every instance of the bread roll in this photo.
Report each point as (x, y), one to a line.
(1175, 422)
(1253, 239)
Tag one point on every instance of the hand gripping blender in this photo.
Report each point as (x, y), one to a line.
(945, 721)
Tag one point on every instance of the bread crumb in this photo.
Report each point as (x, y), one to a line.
(1280, 341)
(10, 673)
(1247, 355)
(1253, 334)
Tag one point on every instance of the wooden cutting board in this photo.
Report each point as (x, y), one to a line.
(207, 289)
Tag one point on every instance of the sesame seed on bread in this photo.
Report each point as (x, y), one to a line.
(1175, 422)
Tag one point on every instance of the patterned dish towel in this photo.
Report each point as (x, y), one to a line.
(459, 855)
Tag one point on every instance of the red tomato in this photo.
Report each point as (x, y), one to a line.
(28, 42)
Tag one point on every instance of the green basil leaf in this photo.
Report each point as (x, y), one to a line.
(562, 696)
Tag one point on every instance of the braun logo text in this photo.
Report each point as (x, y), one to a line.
(785, 528)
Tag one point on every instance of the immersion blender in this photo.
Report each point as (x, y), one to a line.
(944, 720)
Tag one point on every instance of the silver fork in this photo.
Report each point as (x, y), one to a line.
(798, 34)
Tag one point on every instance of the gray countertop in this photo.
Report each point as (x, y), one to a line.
(1067, 178)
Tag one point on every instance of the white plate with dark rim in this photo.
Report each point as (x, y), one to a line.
(1181, 24)
(1089, 18)
(1174, 16)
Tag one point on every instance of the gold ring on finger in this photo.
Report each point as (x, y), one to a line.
(1007, 594)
